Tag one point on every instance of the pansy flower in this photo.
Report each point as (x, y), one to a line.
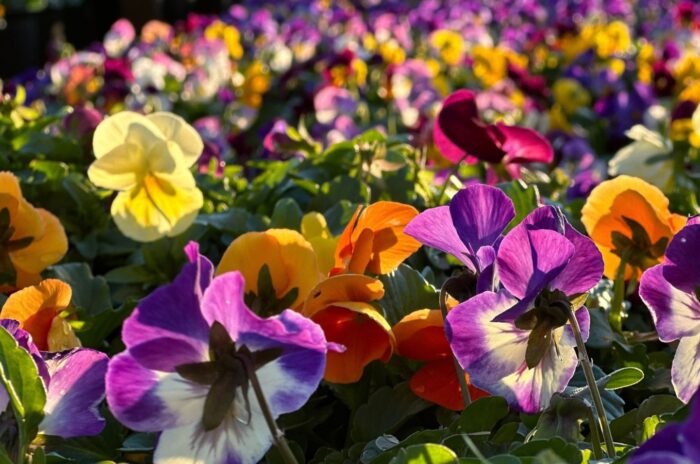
(147, 159)
(314, 228)
(629, 218)
(469, 228)
(374, 239)
(344, 307)
(420, 336)
(648, 157)
(459, 132)
(670, 290)
(74, 382)
(516, 342)
(31, 239)
(195, 358)
(38, 310)
(277, 263)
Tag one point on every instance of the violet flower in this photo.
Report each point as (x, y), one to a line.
(517, 342)
(74, 382)
(670, 290)
(194, 349)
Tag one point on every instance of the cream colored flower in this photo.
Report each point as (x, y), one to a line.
(647, 157)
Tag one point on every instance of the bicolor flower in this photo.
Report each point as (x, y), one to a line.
(75, 386)
(31, 239)
(516, 342)
(38, 310)
(344, 307)
(191, 377)
(420, 336)
(676, 443)
(469, 228)
(459, 132)
(374, 239)
(148, 159)
(670, 290)
(648, 157)
(290, 262)
(629, 218)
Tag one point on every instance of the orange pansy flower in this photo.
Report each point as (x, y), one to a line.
(374, 240)
(342, 306)
(420, 336)
(628, 217)
(31, 239)
(37, 309)
(289, 257)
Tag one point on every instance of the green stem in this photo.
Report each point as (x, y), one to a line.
(460, 372)
(592, 386)
(595, 437)
(277, 435)
(615, 317)
(452, 172)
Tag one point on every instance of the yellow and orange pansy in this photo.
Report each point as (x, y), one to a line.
(289, 257)
(38, 310)
(314, 228)
(31, 239)
(420, 336)
(628, 217)
(374, 241)
(342, 306)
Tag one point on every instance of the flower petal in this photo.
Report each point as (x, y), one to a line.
(45, 250)
(76, 389)
(523, 145)
(119, 169)
(115, 130)
(420, 335)
(340, 288)
(437, 382)
(177, 130)
(685, 370)
(434, 228)
(680, 266)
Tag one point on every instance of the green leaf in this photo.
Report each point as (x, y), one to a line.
(20, 377)
(621, 378)
(499, 459)
(483, 414)
(569, 453)
(406, 290)
(386, 409)
(649, 427)
(286, 215)
(90, 293)
(428, 453)
(525, 199)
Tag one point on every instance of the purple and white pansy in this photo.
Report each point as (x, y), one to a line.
(190, 376)
(671, 291)
(516, 342)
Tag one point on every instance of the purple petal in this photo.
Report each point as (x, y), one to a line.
(584, 323)
(529, 260)
(685, 371)
(76, 389)
(172, 314)
(681, 267)
(150, 401)
(486, 257)
(434, 228)
(667, 440)
(480, 213)
(655, 457)
(223, 302)
(675, 313)
(24, 339)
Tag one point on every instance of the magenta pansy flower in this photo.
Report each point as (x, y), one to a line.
(191, 346)
(517, 342)
(459, 132)
(671, 291)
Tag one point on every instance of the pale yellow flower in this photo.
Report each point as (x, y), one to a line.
(315, 229)
(147, 159)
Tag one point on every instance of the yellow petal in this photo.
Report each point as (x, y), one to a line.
(176, 129)
(165, 161)
(61, 336)
(35, 308)
(120, 169)
(114, 131)
(289, 257)
(45, 250)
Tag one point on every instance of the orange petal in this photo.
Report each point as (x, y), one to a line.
(342, 288)
(361, 253)
(289, 257)
(437, 382)
(35, 308)
(23, 216)
(343, 250)
(421, 336)
(45, 250)
(365, 340)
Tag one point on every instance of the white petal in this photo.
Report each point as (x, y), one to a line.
(176, 129)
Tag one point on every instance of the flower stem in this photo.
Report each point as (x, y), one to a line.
(277, 435)
(592, 385)
(460, 372)
(452, 172)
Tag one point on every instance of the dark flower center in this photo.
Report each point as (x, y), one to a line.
(638, 250)
(229, 368)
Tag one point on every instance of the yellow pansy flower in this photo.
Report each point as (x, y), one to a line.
(229, 35)
(147, 159)
(391, 52)
(570, 95)
(490, 64)
(449, 45)
(315, 229)
(613, 39)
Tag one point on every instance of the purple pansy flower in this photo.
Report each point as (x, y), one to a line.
(469, 228)
(674, 444)
(670, 290)
(191, 346)
(75, 387)
(516, 342)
